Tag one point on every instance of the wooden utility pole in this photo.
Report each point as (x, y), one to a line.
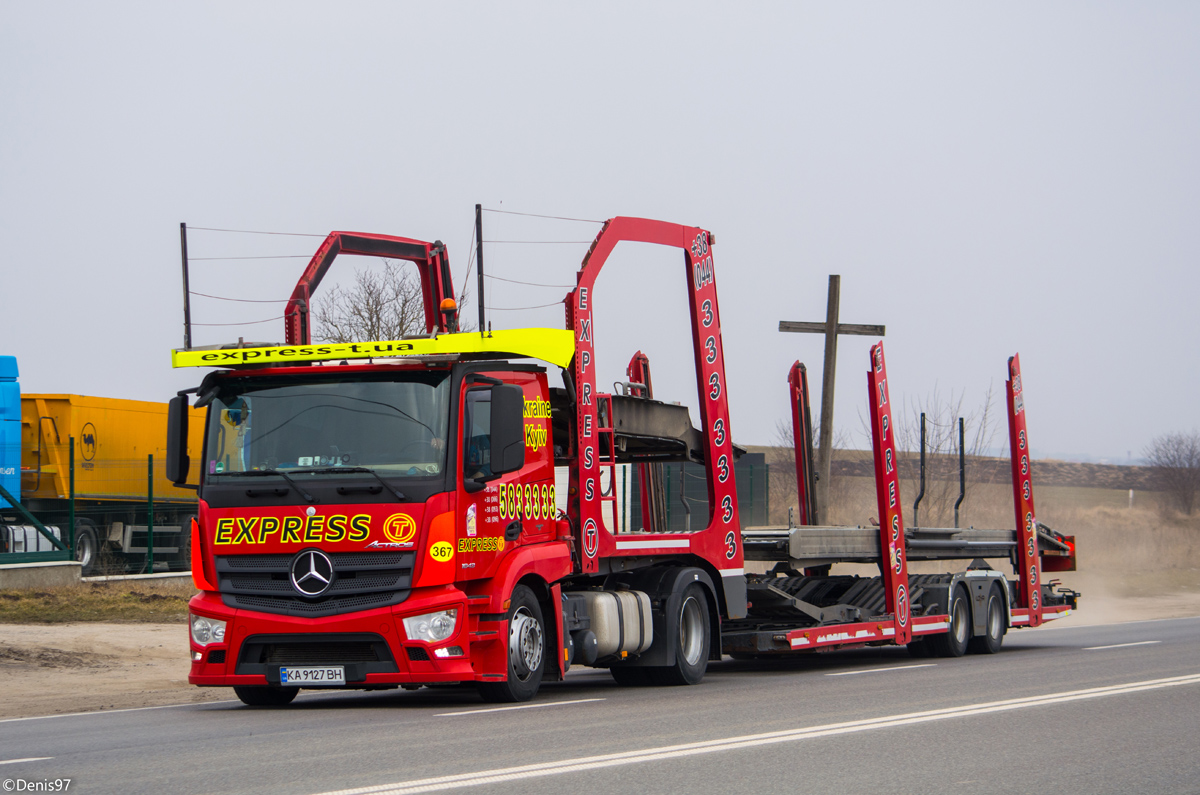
(831, 328)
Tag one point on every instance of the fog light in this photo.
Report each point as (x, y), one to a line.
(196, 655)
(207, 630)
(450, 651)
(431, 627)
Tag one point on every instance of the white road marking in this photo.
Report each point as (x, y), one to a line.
(111, 711)
(518, 706)
(581, 764)
(26, 759)
(881, 670)
(1122, 645)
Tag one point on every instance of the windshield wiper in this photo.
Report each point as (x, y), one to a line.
(367, 470)
(262, 472)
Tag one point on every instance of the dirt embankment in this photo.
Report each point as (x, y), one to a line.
(49, 669)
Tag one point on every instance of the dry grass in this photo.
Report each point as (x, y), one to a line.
(156, 601)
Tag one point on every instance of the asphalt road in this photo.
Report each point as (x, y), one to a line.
(1052, 712)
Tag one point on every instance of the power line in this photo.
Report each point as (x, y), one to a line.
(519, 308)
(241, 300)
(254, 232)
(536, 215)
(246, 323)
(530, 284)
(274, 256)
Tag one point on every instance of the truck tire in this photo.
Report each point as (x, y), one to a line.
(991, 640)
(691, 642)
(954, 642)
(526, 651)
(87, 547)
(266, 696)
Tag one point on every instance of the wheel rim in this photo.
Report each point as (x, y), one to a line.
(83, 550)
(691, 630)
(960, 621)
(525, 644)
(994, 619)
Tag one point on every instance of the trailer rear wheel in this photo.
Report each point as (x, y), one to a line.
(526, 651)
(266, 696)
(991, 640)
(87, 547)
(692, 642)
(954, 642)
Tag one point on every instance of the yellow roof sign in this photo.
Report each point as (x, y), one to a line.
(555, 346)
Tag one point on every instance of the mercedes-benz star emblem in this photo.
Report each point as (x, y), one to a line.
(312, 572)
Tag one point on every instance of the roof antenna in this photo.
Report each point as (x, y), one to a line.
(479, 257)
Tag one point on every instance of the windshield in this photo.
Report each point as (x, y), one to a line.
(396, 426)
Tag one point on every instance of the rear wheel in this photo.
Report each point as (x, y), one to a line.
(691, 642)
(87, 547)
(526, 651)
(266, 696)
(993, 637)
(954, 642)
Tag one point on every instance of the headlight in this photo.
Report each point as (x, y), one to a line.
(207, 630)
(432, 627)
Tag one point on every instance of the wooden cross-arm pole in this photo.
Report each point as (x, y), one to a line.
(809, 327)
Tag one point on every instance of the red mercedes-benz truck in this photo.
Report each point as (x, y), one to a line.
(445, 508)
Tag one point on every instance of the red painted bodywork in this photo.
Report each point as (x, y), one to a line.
(719, 542)
(894, 565)
(479, 578)
(802, 440)
(430, 258)
(1029, 571)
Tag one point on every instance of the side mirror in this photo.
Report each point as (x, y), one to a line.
(177, 437)
(508, 428)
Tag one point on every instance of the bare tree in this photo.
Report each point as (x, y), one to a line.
(383, 304)
(1175, 459)
(782, 484)
(941, 450)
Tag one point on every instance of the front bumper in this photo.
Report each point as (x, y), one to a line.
(377, 652)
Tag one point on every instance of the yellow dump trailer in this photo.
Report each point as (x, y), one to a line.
(113, 439)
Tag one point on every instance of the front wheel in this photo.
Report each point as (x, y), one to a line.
(526, 651)
(266, 696)
(691, 642)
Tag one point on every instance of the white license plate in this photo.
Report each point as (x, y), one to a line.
(312, 675)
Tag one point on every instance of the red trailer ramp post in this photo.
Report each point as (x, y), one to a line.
(802, 438)
(893, 557)
(431, 260)
(1028, 609)
(717, 542)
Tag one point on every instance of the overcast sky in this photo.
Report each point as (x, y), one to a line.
(987, 179)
